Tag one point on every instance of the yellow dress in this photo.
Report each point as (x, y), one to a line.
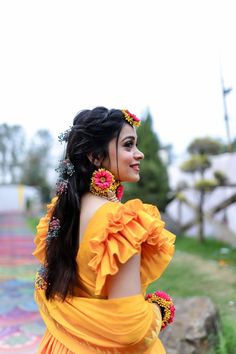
(89, 322)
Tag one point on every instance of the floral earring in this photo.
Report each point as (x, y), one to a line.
(103, 184)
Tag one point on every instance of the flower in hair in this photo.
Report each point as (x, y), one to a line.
(65, 168)
(41, 278)
(131, 118)
(64, 136)
(54, 227)
(102, 179)
(61, 186)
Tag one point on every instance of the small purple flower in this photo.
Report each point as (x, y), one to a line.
(54, 227)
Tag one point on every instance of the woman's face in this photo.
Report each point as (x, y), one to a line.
(124, 157)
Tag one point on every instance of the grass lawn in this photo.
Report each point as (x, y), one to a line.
(207, 269)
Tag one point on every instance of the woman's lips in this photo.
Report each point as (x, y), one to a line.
(135, 167)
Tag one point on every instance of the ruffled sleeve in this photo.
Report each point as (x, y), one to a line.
(132, 228)
(42, 230)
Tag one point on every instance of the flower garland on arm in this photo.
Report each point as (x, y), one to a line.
(166, 304)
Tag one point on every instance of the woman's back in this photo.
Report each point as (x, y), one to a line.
(89, 205)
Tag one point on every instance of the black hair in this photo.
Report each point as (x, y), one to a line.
(88, 140)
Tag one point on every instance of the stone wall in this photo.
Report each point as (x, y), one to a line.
(195, 327)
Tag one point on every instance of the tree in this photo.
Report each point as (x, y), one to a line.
(225, 148)
(37, 163)
(17, 152)
(205, 146)
(12, 142)
(199, 161)
(196, 163)
(153, 186)
(4, 131)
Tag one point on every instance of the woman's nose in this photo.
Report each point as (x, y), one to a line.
(139, 155)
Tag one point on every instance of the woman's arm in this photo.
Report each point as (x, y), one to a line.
(127, 281)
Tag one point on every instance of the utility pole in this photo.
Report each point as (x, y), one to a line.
(225, 92)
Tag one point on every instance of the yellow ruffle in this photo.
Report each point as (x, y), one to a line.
(132, 227)
(42, 230)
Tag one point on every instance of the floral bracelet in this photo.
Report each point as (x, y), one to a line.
(166, 304)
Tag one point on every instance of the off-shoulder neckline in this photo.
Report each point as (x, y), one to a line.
(95, 214)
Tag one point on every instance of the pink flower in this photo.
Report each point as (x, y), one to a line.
(120, 192)
(54, 224)
(163, 295)
(166, 303)
(172, 313)
(103, 179)
(133, 116)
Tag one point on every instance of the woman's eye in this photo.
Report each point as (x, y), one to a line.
(129, 144)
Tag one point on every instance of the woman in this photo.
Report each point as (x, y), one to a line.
(98, 255)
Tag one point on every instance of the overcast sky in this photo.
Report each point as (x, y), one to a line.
(58, 57)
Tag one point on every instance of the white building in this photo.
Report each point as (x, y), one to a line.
(17, 198)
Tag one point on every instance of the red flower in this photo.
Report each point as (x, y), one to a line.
(120, 192)
(133, 116)
(103, 179)
(163, 295)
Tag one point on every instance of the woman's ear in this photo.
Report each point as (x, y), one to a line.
(94, 161)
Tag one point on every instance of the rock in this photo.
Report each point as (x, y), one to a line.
(194, 329)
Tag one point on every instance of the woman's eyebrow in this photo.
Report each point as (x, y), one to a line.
(128, 137)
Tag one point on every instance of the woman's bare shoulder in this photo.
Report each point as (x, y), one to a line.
(89, 205)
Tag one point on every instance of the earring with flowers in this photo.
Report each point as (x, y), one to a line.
(104, 184)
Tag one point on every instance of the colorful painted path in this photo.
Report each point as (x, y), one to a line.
(21, 327)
